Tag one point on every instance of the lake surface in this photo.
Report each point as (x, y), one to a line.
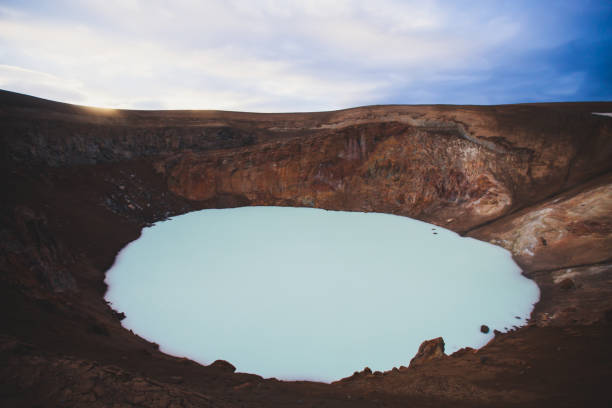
(302, 293)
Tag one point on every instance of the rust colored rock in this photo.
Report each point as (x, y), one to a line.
(429, 350)
(574, 228)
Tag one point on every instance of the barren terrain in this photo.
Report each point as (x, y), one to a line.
(79, 183)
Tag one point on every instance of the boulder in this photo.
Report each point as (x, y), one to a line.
(429, 350)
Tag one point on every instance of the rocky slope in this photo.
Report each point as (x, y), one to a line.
(79, 183)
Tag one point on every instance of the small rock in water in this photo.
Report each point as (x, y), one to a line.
(484, 328)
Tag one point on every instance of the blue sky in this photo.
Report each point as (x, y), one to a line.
(274, 55)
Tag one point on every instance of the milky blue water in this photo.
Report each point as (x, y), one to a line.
(302, 293)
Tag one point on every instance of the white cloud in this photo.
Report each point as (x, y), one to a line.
(34, 82)
(238, 54)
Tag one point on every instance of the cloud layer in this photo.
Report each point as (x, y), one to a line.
(271, 55)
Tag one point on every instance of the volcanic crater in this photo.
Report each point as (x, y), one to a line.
(80, 183)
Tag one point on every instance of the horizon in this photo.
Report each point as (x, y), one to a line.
(309, 112)
(291, 57)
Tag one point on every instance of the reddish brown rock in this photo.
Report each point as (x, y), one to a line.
(426, 163)
(429, 350)
(571, 229)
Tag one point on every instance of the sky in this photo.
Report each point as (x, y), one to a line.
(286, 55)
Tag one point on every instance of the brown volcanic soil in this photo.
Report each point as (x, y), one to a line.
(80, 183)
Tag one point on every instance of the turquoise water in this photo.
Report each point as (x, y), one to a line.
(302, 293)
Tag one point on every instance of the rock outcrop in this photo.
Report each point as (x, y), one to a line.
(573, 228)
(429, 350)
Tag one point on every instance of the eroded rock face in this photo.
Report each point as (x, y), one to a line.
(374, 167)
(574, 228)
(453, 166)
(424, 163)
(46, 260)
